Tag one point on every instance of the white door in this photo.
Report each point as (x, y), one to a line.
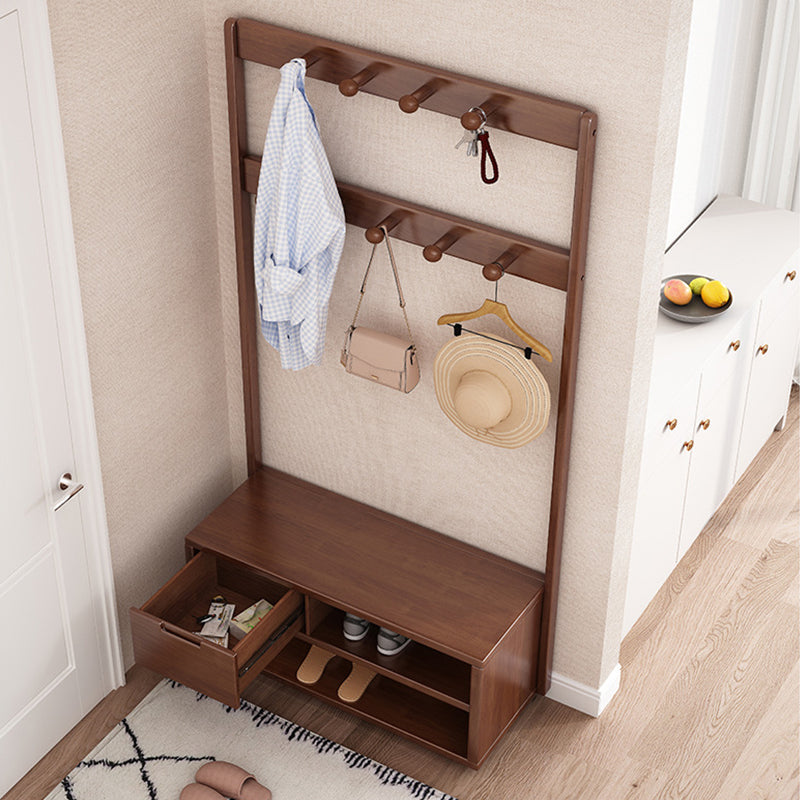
(55, 651)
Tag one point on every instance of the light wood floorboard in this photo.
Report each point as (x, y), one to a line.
(710, 691)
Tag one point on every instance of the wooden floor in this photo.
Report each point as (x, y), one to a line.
(710, 694)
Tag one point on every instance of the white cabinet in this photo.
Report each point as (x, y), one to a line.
(724, 384)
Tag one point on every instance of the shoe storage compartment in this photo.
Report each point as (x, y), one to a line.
(387, 701)
(164, 629)
(419, 667)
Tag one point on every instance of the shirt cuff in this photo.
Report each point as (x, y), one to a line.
(285, 280)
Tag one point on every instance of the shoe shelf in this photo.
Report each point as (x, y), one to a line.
(419, 667)
(392, 705)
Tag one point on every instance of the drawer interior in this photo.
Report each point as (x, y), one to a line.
(188, 595)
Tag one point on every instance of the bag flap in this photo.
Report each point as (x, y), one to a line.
(376, 347)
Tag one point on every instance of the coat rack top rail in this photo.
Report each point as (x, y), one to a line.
(475, 242)
(513, 110)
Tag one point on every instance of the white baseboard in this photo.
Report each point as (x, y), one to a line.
(582, 697)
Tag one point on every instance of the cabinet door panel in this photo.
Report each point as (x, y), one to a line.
(782, 292)
(716, 439)
(773, 362)
(659, 506)
(656, 533)
(731, 355)
(670, 414)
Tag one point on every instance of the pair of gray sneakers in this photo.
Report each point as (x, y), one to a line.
(389, 643)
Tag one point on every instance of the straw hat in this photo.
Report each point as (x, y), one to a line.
(491, 391)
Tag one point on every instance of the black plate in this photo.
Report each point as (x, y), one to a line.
(695, 310)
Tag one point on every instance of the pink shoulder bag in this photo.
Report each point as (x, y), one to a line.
(377, 356)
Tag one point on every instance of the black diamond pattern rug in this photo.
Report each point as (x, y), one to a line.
(155, 751)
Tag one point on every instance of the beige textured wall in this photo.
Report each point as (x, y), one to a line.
(399, 452)
(143, 104)
(133, 96)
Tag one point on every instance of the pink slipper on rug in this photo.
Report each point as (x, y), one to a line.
(231, 781)
(195, 791)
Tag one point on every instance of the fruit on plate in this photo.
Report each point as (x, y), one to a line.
(714, 294)
(677, 291)
(697, 285)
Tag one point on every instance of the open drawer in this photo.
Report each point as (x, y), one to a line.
(165, 628)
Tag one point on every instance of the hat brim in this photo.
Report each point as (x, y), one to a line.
(530, 394)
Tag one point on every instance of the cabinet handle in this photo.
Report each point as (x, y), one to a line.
(671, 423)
(791, 275)
(736, 345)
(763, 349)
(689, 445)
(704, 424)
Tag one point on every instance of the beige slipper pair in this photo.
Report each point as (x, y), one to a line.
(310, 671)
(220, 779)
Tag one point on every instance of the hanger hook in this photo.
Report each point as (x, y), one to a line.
(497, 283)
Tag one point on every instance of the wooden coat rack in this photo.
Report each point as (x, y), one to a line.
(413, 86)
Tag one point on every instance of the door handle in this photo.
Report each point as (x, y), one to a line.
(69, 489)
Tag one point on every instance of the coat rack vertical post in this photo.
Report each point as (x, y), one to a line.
(584, 170)
(523, 113)
(243, 226)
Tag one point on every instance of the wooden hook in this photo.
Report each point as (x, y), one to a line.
(374, 235)
(409, 103)
(349, 86)
(312, 56)
(496, 270)
(433, 252)
(472, 120)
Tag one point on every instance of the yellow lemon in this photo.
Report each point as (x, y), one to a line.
(714, 294)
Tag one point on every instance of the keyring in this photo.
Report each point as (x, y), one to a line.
(481, 112)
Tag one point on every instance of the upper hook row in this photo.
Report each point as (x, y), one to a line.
(472, 120)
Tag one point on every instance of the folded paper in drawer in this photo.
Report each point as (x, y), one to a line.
(245, 621)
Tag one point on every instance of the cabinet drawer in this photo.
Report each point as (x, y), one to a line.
(165, 628)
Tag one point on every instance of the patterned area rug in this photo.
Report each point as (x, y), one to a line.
(155, 751)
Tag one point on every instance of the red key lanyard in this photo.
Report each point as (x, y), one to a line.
(486, 149)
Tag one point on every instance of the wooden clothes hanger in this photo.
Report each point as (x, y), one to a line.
(500, 310)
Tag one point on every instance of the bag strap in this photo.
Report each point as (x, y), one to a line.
(396, 280)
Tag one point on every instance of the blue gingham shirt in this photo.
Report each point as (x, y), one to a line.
(299, 227)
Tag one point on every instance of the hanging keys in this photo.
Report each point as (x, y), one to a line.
(467, 138)
(470, 138)
(472, 147)
(476, 137)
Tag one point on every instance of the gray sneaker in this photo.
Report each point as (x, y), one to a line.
(391, 643)
(354, 628)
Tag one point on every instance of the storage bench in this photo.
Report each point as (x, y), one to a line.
(473, 617)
